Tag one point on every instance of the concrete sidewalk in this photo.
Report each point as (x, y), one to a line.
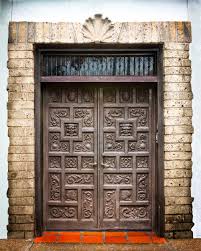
(171, 245)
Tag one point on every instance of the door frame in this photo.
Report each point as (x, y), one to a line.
(158, 80)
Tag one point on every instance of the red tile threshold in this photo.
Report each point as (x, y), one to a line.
(100, 237)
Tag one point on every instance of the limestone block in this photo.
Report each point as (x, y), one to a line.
(183, 182)
(177, 147)
(177, 192)
(177, 164)
(178, 201)
(178, 209)
(21, 210)
(178, 155)
(21, 201)
(28, 174)
(178, 138)
(178, 173)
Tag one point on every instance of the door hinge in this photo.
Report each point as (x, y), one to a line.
(156, 137)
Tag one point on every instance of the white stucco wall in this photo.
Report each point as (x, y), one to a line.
(116, 10)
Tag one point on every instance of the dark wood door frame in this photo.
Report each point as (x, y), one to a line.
(157, 80)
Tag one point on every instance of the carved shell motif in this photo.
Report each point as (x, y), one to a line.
(97, 29)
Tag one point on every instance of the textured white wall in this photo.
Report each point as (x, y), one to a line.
(195, 17)
(116, 10)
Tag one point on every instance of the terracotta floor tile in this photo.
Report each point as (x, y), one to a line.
(92, 233)
(46, 239)
(116, 234)
(139, 239)
(69, 238)
(137, 233)
(92, 239)
(115, 239)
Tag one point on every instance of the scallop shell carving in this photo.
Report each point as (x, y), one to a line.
(97, 29)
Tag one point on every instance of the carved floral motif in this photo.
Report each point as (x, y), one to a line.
(140, 145)
(97, 29)
(112, 114)
(111, 144)
(133, 212)
(84, 179)
(142, 187)
(86, 115)
(109, 204)
(54, 162)
(56, 145)
(125, 195)
(63, 212)
(86, 145)
(55, 115)
(71, 195)
(142, 162)
(141, 114)
(109, 162)
(123, 179)
(87, 204)
(87, 162)
(55, 186)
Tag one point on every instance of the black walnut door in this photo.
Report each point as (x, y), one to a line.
(99, 164)
(70, 175)
(125, 155)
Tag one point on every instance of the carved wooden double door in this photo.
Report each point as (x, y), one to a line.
(98, 157)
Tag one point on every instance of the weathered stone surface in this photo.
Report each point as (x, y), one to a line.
(21, 201)
(20, 54)
(178, 138)
(20, 131)
(21, 184)
(178, 209)
(178, 147)
(20, 47)
(178, 129)
(178, 226)
(178, 112)
(16, 235)
(178, 201)
(178, 173)
(20, 227)
(176, 192)
(177, 164)
(183, 182)
(28, 192)
(21, 174)
(20, 63)
(178, 155)
(177, 70)
(177, 103)
(21, 210)
(21, 141)
(21, 157)
(21, 166)
(24, 114)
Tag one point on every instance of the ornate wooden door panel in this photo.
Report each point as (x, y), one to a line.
(98, 158)
(125, 154)
(70, 149)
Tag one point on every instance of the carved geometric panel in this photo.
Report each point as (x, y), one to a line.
(109, 162)
(71, 195)
(142, 162)
(71, 129)
(71, 162)
(87, 162)
(126, 162)
(54, 162)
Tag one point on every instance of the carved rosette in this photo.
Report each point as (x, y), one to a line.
(97, 29)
